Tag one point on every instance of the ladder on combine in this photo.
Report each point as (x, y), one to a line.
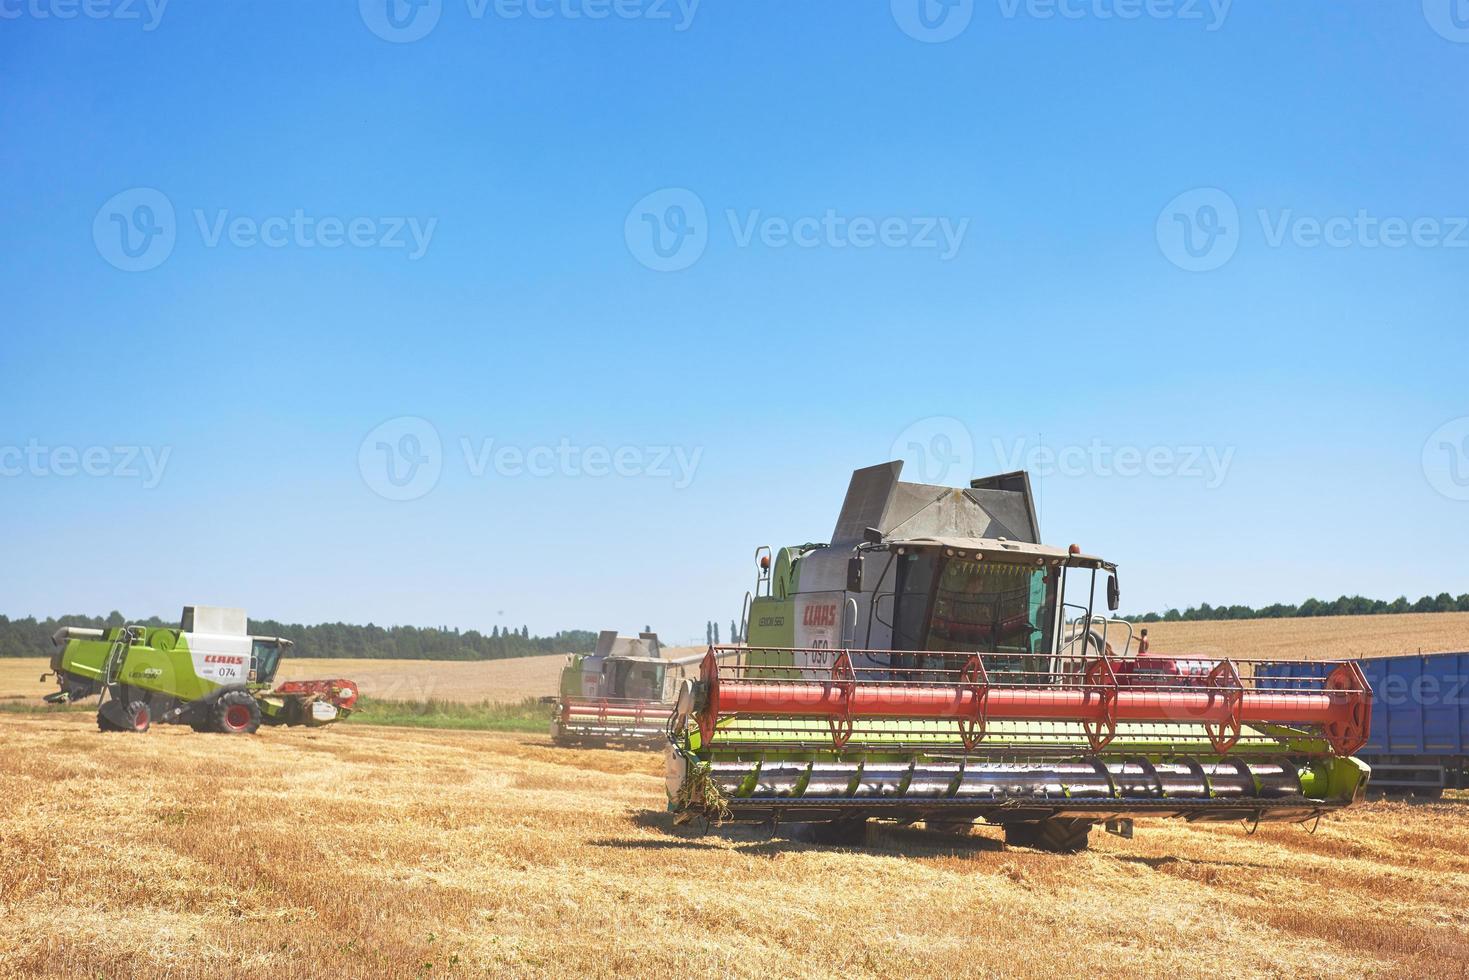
(116, 655)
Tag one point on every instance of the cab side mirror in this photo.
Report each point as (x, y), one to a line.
(1114, 593)
(854, 573)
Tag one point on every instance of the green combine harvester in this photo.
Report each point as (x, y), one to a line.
(934, 662)
(209, 674)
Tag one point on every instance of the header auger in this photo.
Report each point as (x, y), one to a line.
(952, 686)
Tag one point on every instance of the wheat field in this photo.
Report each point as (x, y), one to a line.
(388, 852)
(378, 852)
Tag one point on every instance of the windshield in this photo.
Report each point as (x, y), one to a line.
(639, 681)
(962, 605)
(266, 657)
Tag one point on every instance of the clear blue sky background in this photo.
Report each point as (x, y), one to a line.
(530, 320)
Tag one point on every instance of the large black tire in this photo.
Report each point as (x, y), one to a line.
(118, 716)
(236, 713)
(1058, 835)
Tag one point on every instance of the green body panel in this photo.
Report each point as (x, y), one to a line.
(571, 674)
(773, 617)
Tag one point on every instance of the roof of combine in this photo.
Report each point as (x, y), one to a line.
(999, 549)
(992, 508)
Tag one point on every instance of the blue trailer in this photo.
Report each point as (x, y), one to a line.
(1420, 720)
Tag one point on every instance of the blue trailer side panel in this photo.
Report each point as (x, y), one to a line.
(1402, 690)
(1461, 694)
(1440, 712)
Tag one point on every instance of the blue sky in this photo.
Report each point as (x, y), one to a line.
(242, 237)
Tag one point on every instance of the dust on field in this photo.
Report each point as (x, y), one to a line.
(405, 853)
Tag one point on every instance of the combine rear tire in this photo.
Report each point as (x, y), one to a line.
(1058, 835)
(236, 713)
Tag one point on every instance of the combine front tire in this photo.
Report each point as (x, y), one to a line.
(132, 716)
(236, 713)
(1058, 835)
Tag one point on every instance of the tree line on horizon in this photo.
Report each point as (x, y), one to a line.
(1354, 605)
(30, 637)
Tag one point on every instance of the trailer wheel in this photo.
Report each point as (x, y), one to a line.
(1058, 834)
(236, 713)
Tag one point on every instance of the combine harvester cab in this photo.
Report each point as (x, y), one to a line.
(209, 674)
(618, 694)
(936, 663)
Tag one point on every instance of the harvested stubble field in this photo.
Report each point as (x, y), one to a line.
(378, 851)
(397, 853)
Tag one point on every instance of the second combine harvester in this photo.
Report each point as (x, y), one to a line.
(934, 662)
